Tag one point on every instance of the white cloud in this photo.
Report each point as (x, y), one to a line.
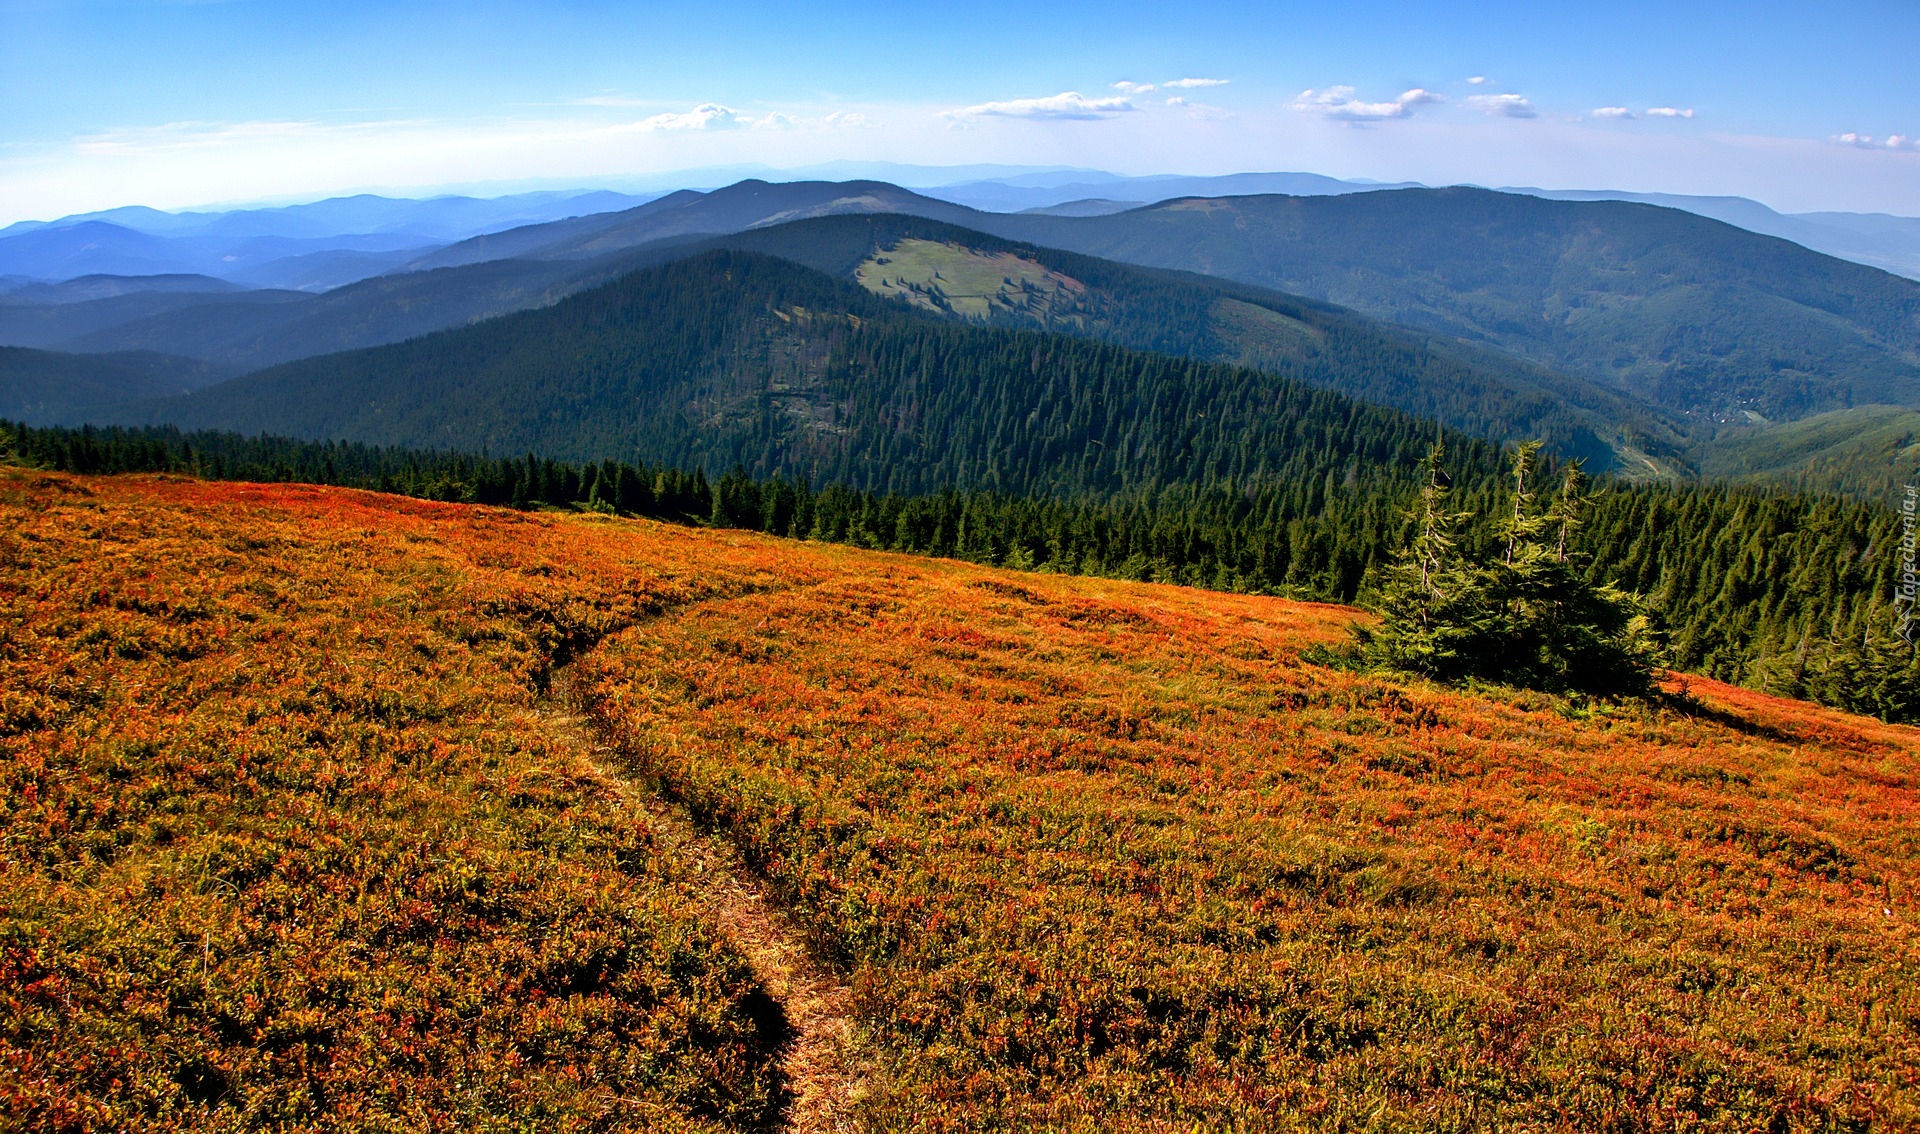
(706, 116)
(1612, 112)
(1504, 105)
(1176, 100)
(1189, 84)
(1668, 112)
(1869, 142)
(1478, 80)
(1065, 106)
(850, 118)
(1134, 88)
(1338, 103)
(711, 116)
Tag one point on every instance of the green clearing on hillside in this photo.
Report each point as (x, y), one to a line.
(947, 277)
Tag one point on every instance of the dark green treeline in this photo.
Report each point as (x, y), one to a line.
(1788, 592)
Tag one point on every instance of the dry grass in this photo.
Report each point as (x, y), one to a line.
(283, 846)
(290, 842)
(1109, 856)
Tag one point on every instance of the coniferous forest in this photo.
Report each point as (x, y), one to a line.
(1788, 592)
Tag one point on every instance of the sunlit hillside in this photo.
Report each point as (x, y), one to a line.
(301, 833)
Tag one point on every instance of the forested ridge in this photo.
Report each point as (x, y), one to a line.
(736, 358)
(1675, 310)
(1790, 592)
(1181, 313)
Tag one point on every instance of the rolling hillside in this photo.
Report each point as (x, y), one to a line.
(974, 277)
(162, 320)
(733, 357)
(1681, 312)
(1643, 339)
(1075, 852)
(524, 267)
(246, 331)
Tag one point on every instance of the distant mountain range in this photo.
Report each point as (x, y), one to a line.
(1639, 335)
(746, 204)
(309, 247)
(1051, 191)
(331, 243)
(1875, 239)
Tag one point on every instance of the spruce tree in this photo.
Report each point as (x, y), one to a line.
(1527, 616)
(1431, 603)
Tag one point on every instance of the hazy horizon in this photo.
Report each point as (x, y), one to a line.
(177, 105)
(914, 177)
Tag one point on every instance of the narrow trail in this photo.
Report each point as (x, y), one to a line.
(823, 1072)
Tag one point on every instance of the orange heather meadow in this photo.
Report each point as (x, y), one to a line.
(288, 845)
(1104, 855)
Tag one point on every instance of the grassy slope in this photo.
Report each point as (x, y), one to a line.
(1109, 856)
(1096, 854)
(287, 847)
(974, 284)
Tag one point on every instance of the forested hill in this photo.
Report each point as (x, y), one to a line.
(736, 358)
(43, 383)
(1682, 311)
(983, 278)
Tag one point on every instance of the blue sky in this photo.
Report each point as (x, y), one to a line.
(181, 103)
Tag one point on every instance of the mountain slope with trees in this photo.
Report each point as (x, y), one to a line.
(1598, 325)
(1482, 392)
(736, 358)
(39, 385)
(1683, 312)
